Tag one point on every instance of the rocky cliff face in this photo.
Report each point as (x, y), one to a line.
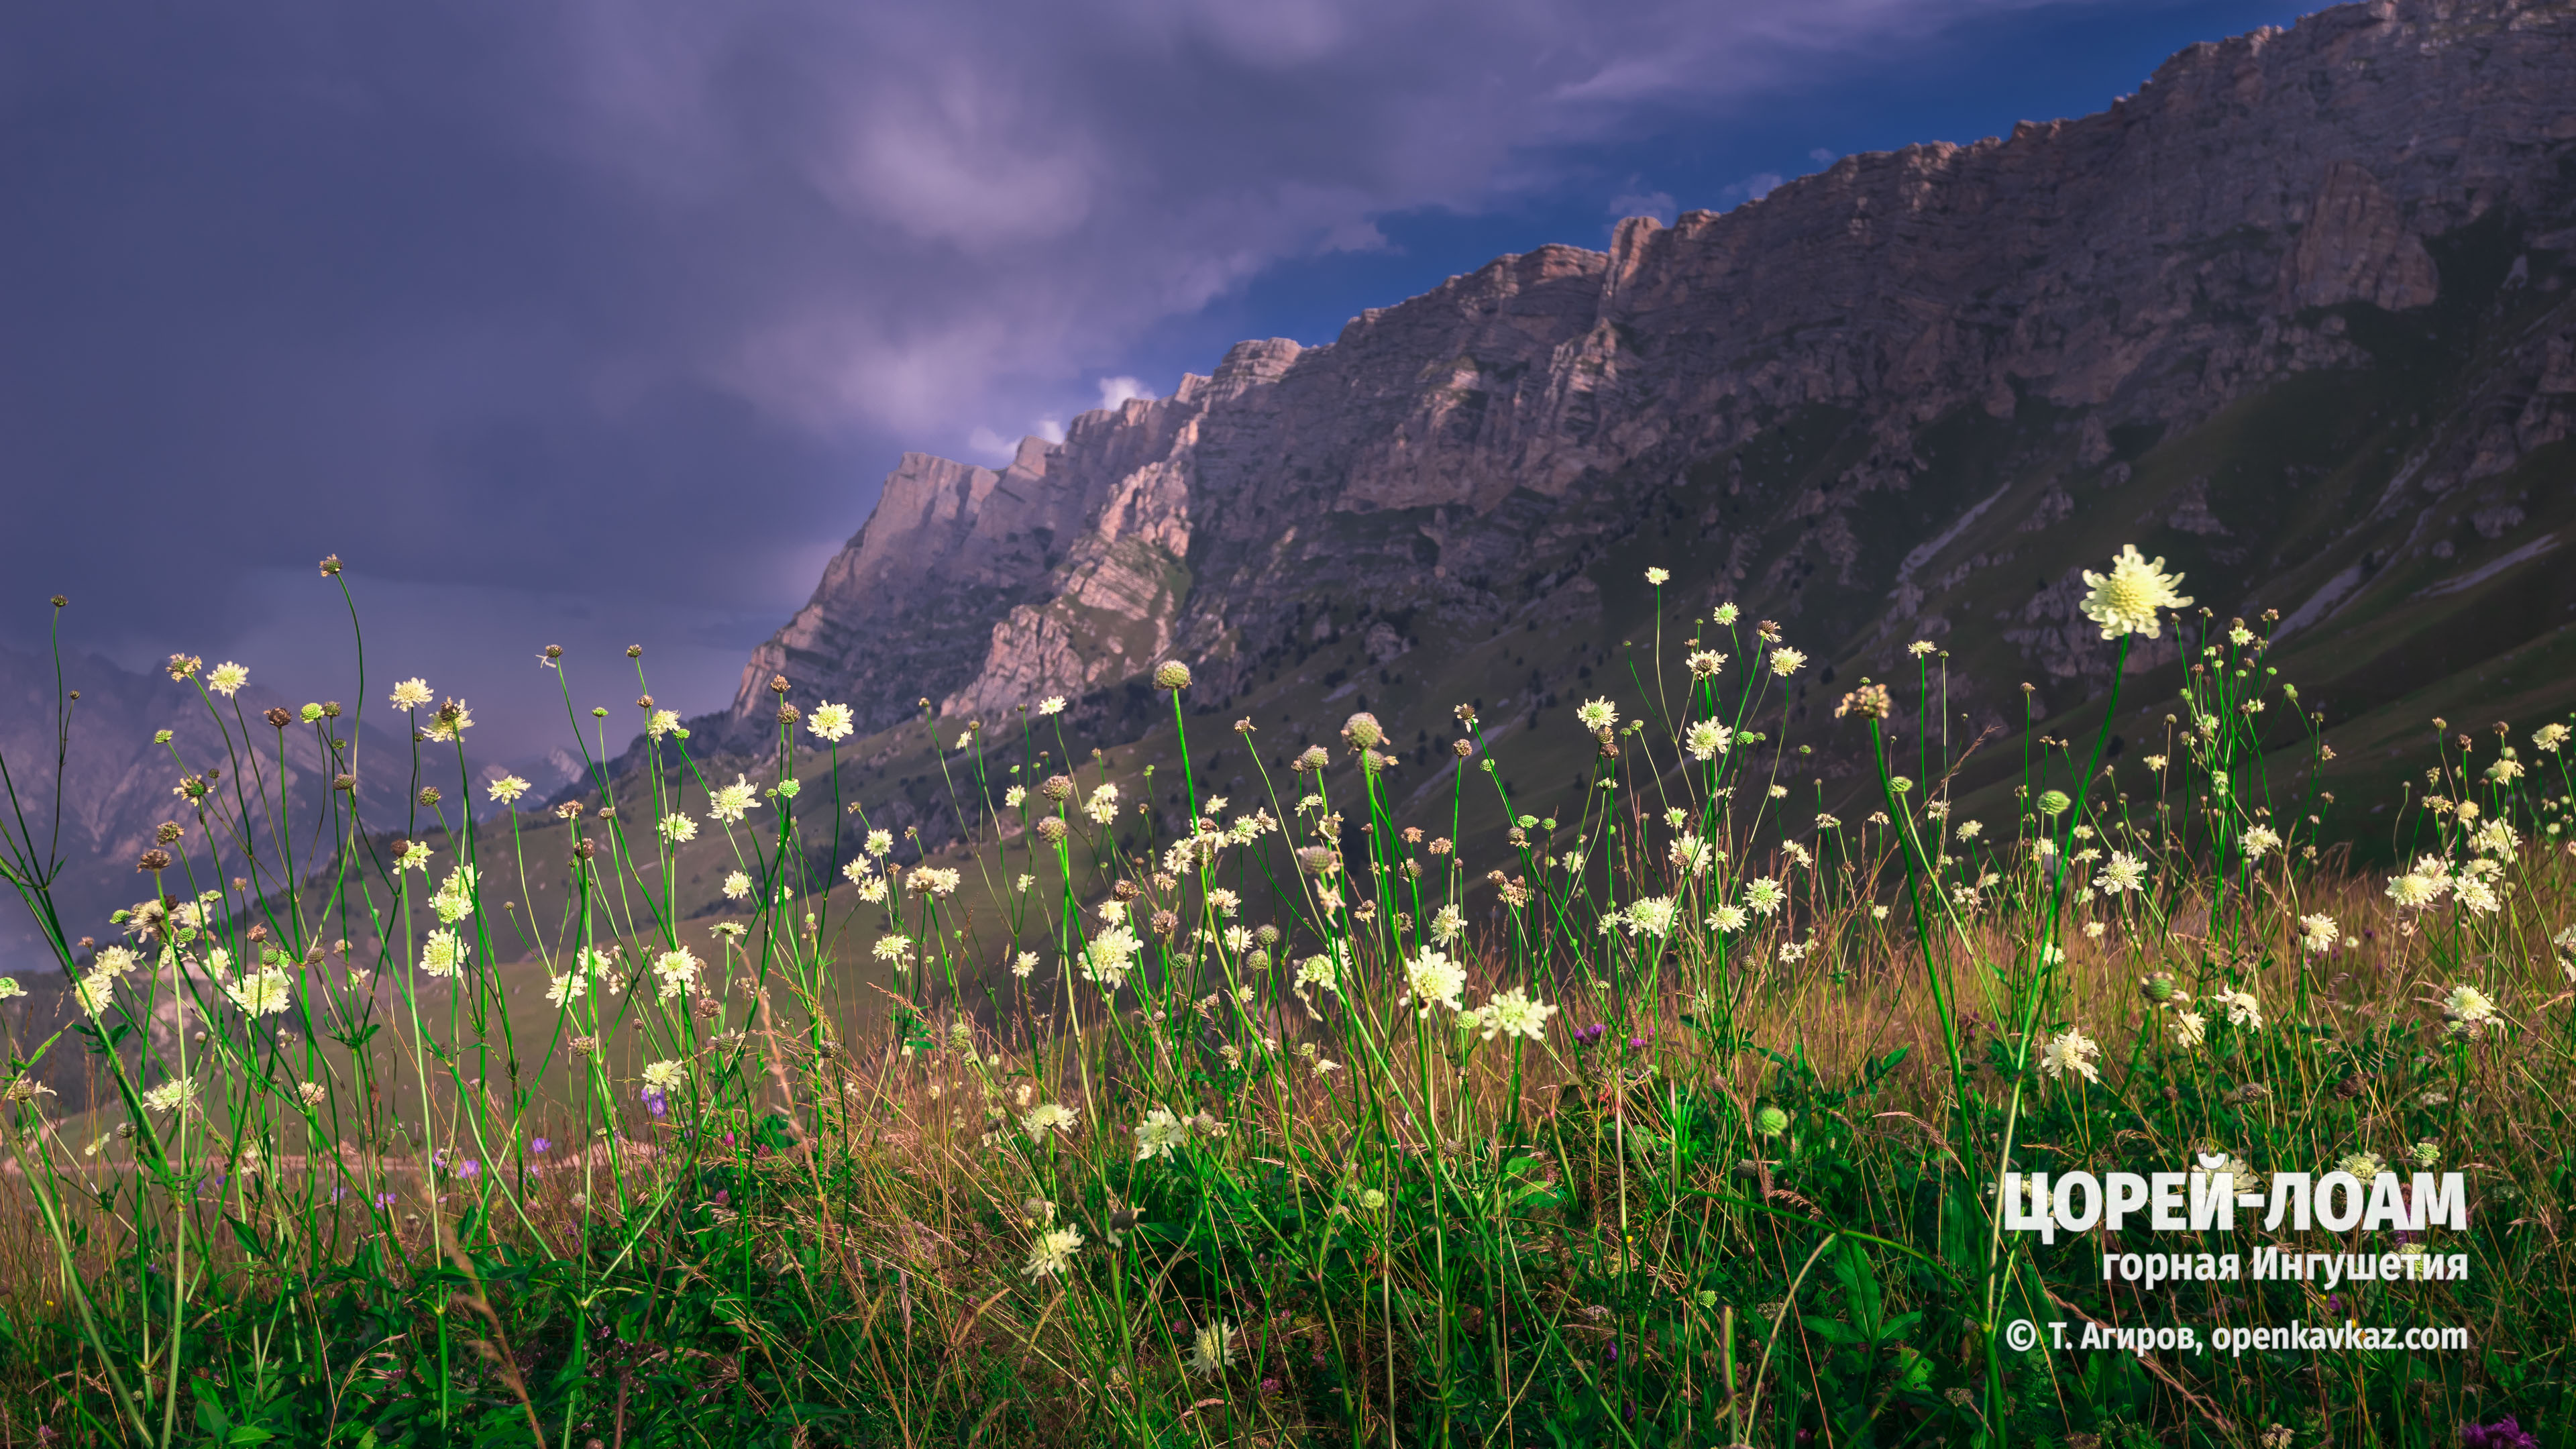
(2294, 313)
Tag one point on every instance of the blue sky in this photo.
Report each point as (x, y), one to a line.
(598, 323)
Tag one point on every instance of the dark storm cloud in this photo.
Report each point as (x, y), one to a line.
(569, 322)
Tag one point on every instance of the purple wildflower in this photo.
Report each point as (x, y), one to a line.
(540, 1146)
(2504, 1433)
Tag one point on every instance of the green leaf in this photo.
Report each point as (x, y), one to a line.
(1834, 1331)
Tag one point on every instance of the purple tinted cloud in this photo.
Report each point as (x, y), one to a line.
(575, 320)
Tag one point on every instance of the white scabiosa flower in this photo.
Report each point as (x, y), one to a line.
(1052, 704)
(2477, 896)
(1764, 897)
(665, 1076)
(443, 954)
(1652, 916)
(2242, 1009)
(2319, 932)
(94, 991)
(264, 993)
(2127, 599)
(411, 694)
(1728, 919)
(1111, 956)
(1434, 978)
(1515, 1014)
(227, 678)
(729, 803)
(679, 829)
(1448, 924)
(1212, 1352)
(508, 788)
(1596, 714)
(1052, 1253)
(1658, 577)
(2125, 872)
(2259, 841)
(1786, 661)
(171, 1095)
(1024, 963)
(677, 972)
(1705, 663)
(1048, 1117)
(2071, 1051)
(829, 721)
(737, 885)
(661, 722)
(1160, 1134)
(2189, 1029)
(2469, 1005)
(2415, 890)
(1707, 740)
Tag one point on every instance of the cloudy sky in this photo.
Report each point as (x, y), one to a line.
(597, 322)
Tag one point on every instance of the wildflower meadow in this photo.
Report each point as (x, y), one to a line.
(709, 1104)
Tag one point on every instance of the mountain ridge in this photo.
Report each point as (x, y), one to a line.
(2010, 348)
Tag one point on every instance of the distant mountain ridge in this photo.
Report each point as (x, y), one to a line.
(2295, 314)
(118, 784)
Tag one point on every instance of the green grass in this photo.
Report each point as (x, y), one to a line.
(1328, 1175)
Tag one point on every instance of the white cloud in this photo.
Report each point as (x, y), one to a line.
(993, 202)
(1051, 429)
(1114, 391)
(1657, 204)
(1823, 156)
(1752, 188)
(991, 446)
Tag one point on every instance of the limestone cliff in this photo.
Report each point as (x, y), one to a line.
(1863, 401)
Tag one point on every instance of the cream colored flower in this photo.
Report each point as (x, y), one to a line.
(2319, 932)
(1052, 1253)
(265, 993)
(830, 722)
(2126, 600)
(1434, 978)
(2071, 1051)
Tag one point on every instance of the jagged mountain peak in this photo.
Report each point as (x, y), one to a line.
(1862, 402)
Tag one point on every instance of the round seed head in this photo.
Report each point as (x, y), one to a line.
(1171, 674)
